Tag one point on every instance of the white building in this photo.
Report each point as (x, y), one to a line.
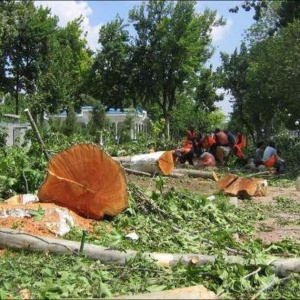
(14, 129)
(115, 118)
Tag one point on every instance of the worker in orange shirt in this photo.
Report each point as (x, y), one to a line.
(186, 153)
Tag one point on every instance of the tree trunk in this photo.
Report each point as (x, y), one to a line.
(142, 167)
(160, 162)
(197, 173)
(13, 239)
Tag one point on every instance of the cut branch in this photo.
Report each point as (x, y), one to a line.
(197, 173)
(13, 239)
(130, 171)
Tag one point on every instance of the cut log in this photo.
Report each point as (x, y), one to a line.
(243, 187)
(13, 239)
(197, 173)
(86, 180)
(130, 171)
(160, 162)
(192, 292)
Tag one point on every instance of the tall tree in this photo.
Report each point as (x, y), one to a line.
(287, 11)
(172, 44)
(235, 70)
(24, 42)
(205, 94)
(62, 77)
(110, 77)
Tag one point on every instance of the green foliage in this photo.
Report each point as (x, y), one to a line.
(263, 76)
(98, 120)
(110, 75)
(70, 125)
(26, 31)
(158, 76)
(19, 169)
(125, 130)
(201, 226)
(38, 214)
(163, 67)
(3, 136)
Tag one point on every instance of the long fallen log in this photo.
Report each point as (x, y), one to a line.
(160, 162)
(13, 239)
(191, 292)
(197, 173)
(135, 172)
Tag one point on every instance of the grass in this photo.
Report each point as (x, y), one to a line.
(165, 221)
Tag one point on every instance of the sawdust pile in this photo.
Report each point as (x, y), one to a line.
(43, 219)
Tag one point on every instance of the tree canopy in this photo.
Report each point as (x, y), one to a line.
(156, 59)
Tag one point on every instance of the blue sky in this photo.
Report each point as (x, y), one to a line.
(97, 13)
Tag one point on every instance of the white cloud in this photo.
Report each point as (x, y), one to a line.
(69, 10)
(221, 32)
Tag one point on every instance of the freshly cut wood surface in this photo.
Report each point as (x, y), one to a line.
(160, 162)
(86, 180)
(245, 187)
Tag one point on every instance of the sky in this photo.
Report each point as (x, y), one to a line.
(97, 13)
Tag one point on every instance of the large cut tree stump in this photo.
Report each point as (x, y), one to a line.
(86, 180)
(242, 187)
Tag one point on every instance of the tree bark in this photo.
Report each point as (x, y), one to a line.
(13, 239)
(130, 171)
(197, 173)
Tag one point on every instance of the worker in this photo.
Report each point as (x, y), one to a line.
(222, 148)
(272, 159)
(187, 152)
(231, 138)
(206, 160)
(259, 152)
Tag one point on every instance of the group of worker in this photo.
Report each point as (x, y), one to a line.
(211, 149)
(215, 149)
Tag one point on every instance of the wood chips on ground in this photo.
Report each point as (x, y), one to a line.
(37, 226)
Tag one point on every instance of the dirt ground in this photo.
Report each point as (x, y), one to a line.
(278, 225)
